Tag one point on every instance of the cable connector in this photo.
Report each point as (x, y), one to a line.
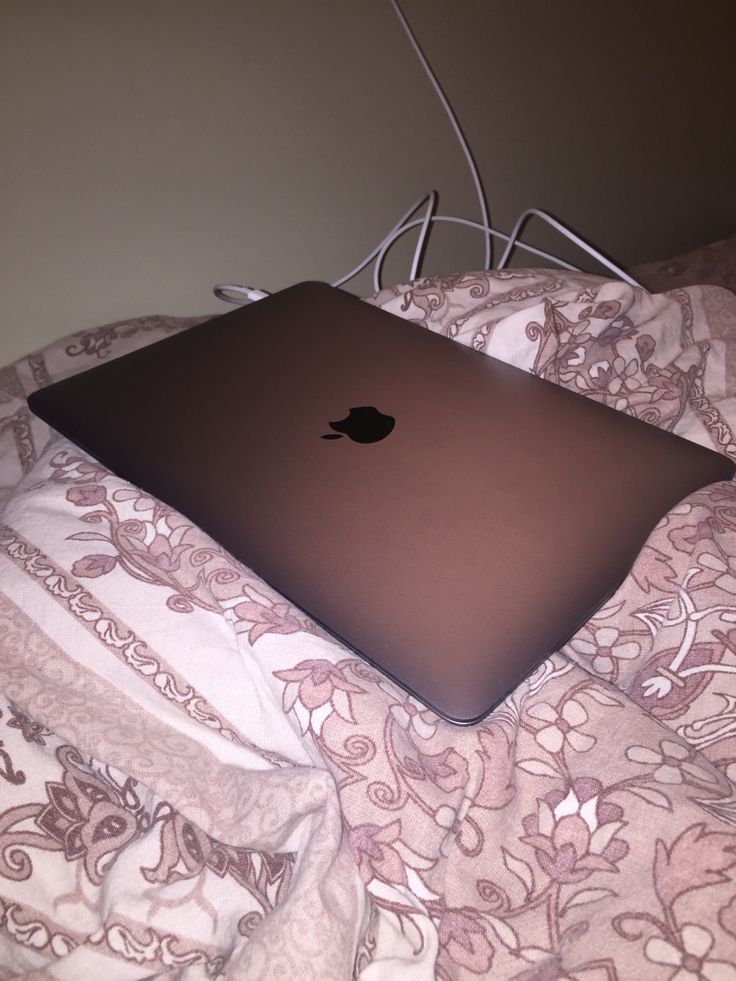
(238, 295)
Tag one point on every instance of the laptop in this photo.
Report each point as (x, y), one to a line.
(450, 518)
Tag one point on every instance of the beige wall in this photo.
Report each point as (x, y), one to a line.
(154, 147)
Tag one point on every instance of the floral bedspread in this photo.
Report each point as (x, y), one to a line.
(195, 782)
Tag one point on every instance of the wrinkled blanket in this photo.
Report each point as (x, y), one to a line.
(195, 782)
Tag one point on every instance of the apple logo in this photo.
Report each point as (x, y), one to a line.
(363, 424)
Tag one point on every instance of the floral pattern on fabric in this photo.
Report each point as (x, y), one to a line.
(196, 782)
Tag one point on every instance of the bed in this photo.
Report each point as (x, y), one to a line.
(196, 782)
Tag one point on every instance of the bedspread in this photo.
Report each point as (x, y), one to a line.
(197, 782)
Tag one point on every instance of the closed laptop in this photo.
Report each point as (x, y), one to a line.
(449, 517)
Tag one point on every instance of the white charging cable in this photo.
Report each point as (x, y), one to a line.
(475, 173)
(233, 293)
(513, 241)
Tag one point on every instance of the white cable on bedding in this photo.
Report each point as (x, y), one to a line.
(232, 293)
(513, 241)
